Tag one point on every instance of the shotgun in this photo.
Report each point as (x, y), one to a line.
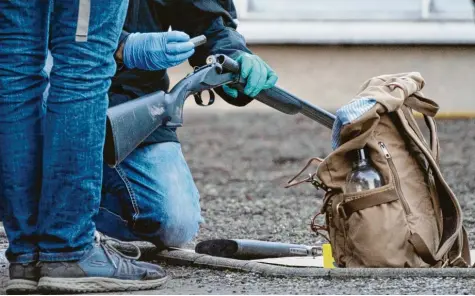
(130, 123)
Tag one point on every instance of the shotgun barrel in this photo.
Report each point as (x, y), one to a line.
(278, 98)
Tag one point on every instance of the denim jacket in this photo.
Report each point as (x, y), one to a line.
(213, 18)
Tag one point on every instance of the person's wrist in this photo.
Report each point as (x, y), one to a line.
(119, 53)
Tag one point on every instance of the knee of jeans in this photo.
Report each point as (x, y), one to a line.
(181, 228)
(173, 223)
(167, 204)
(80, 78)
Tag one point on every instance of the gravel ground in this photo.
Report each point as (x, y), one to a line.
(240, 162)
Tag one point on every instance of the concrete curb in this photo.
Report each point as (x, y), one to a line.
(184, 258)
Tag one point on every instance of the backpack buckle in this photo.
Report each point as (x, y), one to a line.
(341, 210)
(317, 183)
(312, 178)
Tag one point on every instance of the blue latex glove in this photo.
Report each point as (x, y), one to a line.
(157, 51)
(257, 73)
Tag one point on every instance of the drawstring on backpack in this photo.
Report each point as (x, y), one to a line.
(312, 178)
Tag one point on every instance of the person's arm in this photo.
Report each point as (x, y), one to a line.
(215, 19)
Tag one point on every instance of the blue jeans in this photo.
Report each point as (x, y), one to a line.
(51, 173)
(150, 196)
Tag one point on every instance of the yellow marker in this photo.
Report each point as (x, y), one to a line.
(328, 261)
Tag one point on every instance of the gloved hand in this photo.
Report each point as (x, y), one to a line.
(157, 51)
(257, 73)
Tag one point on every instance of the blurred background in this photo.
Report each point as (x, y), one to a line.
(323, 50)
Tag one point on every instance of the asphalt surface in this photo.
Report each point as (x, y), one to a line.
(240, 162)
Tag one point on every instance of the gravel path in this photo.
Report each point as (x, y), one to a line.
(240, 162)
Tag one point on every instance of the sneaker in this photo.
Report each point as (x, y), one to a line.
(23, 278)
(102, 269)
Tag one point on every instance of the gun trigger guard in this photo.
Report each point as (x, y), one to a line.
(199, 100)
(211, 97)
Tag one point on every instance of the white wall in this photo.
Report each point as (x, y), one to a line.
(329, 76)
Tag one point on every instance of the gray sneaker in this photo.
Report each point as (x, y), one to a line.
(102, 269)
(23, 278)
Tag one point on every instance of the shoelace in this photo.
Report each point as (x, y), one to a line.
(106, 244)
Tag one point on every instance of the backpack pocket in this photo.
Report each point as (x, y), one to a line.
(370, 229)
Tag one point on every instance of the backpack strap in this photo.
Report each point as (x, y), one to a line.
(434, 139)
(422, 105)
(452, 232)
(459, 256)
(428, 109)
(347, 208)
(413, 123)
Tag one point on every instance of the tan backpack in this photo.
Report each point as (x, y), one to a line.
(414, 220)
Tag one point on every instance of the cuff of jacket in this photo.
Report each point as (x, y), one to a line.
(123, 37)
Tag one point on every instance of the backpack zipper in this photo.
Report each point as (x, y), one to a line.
(404, 203)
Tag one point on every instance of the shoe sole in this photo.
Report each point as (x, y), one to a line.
(96, 285)
(21, 287)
